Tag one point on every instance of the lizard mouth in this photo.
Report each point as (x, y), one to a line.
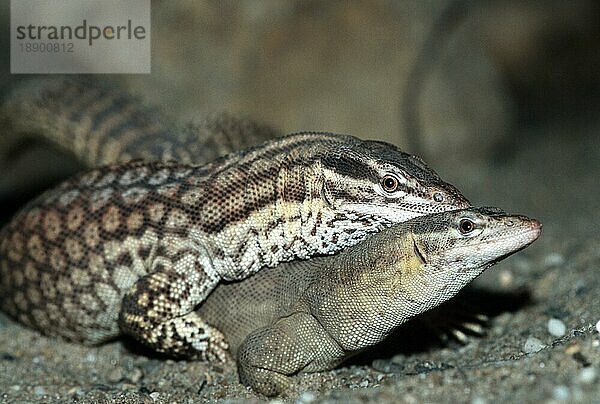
(528, 236)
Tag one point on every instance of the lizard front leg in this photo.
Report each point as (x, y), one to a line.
(158, 309)
(296, 343)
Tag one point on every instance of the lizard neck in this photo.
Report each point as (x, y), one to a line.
(279, 212)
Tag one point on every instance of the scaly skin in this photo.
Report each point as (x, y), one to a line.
(98, 124)
(308, 316)
(134, 248)
(87, 123)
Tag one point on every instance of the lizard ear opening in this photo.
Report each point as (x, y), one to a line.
(418, 253)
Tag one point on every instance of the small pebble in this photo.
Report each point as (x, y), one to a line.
(115, 375)
(554, 260)
(306, 397)
(75, 391)
(533, 345)
(556, 327)
(128, 386)
(587, 375)
(39, 391)
(573, 348)
(135, 375)
(561, 393)
(522, 264)
(506, 278)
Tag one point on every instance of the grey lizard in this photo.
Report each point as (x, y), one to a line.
(308, 316)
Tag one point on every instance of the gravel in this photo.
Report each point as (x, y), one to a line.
(533, 345)
(556, 327)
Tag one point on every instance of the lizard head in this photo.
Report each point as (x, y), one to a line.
(378, 182)
(451, 249)
(472, 239)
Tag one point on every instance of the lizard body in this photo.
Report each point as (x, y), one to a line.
(134, 248)
(308, 316)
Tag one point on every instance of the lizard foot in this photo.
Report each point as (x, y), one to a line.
(270, 355)
(187, 337)
(264, 381)
(158, 310)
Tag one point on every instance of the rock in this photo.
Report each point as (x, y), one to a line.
(39, 391)
(554, 260)
(306, 398)
(533, 345)
(135, 375)
(115, 375)
(556, 327)
(587, 375)
(561, 393)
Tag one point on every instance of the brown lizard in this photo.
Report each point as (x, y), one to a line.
(308, 316)
(134, 248)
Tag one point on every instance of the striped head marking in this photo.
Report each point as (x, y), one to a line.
(377, 180)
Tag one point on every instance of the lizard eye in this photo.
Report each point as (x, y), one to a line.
(466, 226)
(438, 197)
(389, 183)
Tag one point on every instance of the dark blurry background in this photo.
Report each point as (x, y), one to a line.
(501, 97)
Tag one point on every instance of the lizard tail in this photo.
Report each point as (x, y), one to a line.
(90, 120)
